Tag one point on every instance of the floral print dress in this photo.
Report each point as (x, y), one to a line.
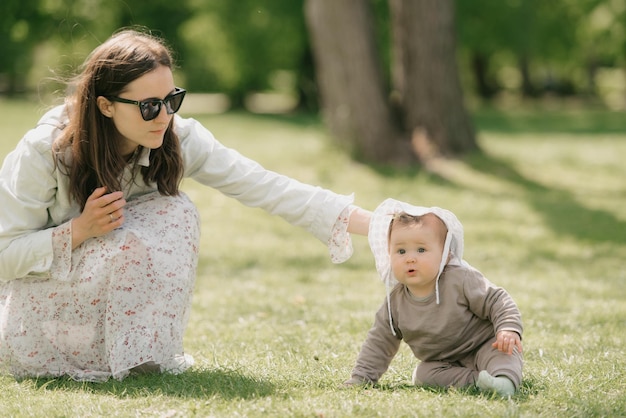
(125, 302)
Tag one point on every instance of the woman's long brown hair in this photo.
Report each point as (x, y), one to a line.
(89, 149)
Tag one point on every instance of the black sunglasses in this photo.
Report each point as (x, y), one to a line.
(151, 108)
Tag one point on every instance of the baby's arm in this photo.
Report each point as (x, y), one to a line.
(507, 340)
(377, 351)
(491, 302)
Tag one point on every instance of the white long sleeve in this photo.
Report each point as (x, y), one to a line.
(34, 194)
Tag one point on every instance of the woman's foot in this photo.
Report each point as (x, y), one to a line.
(176, 365)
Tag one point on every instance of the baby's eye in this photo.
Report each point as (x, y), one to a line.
(421, 250)
(401, 251)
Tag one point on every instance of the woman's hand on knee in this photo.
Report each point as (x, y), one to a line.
(103, 213)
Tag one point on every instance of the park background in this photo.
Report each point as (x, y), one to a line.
(275, 327)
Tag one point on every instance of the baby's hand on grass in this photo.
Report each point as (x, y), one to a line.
(357, 381)
(506, 341)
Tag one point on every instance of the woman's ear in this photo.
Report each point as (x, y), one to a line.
(105, 106)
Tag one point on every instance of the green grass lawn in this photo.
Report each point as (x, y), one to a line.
(276, 328)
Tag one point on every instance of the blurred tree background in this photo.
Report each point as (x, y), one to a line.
(507, 52)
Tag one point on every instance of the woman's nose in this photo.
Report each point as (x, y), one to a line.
(163, 115)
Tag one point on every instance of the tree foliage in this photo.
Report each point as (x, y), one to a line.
(23, 25)
(554, 47)
(235, 47)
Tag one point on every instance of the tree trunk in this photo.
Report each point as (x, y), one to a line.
(424, 116)
(425, 76)
(354, 101)
(485, 87)
(528, 89)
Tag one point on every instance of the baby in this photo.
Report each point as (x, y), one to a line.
(464, 329)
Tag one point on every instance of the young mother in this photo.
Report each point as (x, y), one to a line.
(98, 246)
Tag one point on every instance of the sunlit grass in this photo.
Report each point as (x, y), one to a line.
(275, 327)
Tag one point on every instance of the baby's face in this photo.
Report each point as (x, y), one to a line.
(415, 251)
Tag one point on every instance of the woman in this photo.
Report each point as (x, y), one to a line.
(98, 247)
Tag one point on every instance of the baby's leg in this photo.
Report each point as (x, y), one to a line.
(499, 364)
(500, 372)
(443, 374)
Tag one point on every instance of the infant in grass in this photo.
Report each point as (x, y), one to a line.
(464, 329)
